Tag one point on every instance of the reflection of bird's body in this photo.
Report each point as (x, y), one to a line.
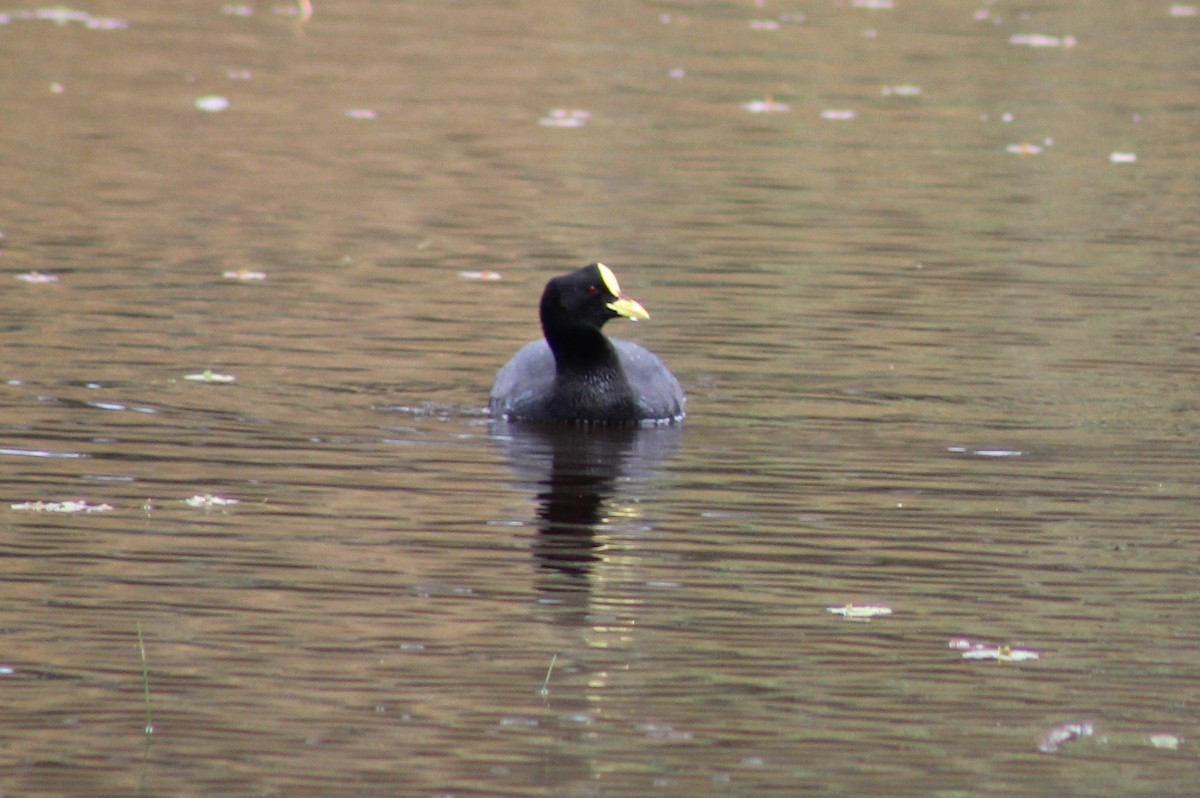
(577, 374)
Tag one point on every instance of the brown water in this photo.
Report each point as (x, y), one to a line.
(941, 356)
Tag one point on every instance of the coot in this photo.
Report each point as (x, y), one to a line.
(577, 374)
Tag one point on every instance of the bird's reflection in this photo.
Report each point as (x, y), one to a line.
(582, 478)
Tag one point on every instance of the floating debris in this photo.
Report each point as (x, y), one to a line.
(986, 452)
(518, 722)
(838, 113)
(902, 90)
(664, 731)
(39, 452)
(1002, 653)
(212, 103)
(208, 501)
(1168, 742)
(860, 612)
(1064, 733)
(483, 275)
(73, 506)
(1041, 40)
(245, 275)
(208, 375)
(37, 278)
(1025, 148)
(767, 106)
(108, 406)
(302, 10)
(1122, 157)
(764, 24)
(967, 644)
(239, 74)
(874, 4)
(237, 10)
(1180, 10)
(677, 72)
(565, 117)
(360, 113)
(981, 649)
(62, 16)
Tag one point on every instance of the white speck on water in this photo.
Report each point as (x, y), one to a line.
(1041, 40)
(985, 452)
(212, 103)
(245, 275)
(72, 506)
(209, 375)
(208, 501)
(565, 117)
(37, 278)
(767, 106)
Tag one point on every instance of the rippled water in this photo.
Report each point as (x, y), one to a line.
(926, 271)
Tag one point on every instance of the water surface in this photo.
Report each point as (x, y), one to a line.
(926, 271)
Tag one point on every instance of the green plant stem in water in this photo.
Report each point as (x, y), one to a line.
(145, 678)
(545, 691)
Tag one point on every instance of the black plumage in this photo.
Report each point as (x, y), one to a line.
(576, 373)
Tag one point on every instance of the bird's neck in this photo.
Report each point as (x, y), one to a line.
(582, 351)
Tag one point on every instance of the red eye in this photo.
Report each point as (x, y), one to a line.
(593, 290)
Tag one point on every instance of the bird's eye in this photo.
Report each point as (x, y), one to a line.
(593, 290)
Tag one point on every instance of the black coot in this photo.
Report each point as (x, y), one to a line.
(577, 374)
